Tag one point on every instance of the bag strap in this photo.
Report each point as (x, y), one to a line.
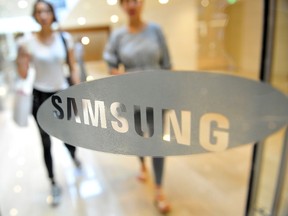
(67, 58)
(66, 49)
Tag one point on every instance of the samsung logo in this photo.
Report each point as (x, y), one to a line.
(211, 138)
(160, 113)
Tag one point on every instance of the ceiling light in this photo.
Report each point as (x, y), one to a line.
(112, 2)
(81, 21)
(114, 18)
(22, 4)
(85, 40)
(17, 189)
(3, 91)
(19, 174)
(13, 212)
(163, 1)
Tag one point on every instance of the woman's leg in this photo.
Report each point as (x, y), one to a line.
(158, 166)
(72, 151)
(38, 99)
(160, 200)
(143, 170)
(46, 142)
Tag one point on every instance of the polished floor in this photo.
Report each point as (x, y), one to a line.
(106, 185)
(211, 184)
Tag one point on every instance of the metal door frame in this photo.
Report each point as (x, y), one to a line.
(269, 14)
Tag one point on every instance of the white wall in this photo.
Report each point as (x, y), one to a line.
(179, 22)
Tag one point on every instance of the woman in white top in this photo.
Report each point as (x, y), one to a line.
(140, 46)
(45, 51)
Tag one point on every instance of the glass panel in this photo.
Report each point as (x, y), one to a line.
(279, 73)
(218, 36)
(230, 35)
(274, 144)
(269, 173)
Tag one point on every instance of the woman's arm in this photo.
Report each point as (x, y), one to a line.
(165, 60)
(75, 77)
(110, 54)
(22, 62)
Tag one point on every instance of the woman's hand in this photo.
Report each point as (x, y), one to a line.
(115, 71)
(75, 78)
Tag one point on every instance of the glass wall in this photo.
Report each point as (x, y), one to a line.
(230, 34)
(272, 191)
(219, 36)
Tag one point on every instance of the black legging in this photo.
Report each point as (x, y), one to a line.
(38, 98)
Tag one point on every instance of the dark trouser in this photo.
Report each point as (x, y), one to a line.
(157, 162)
(158, 167)
(38, 98)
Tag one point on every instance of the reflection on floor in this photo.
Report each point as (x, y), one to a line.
(202, 185)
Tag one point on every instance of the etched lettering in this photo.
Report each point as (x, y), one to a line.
(94, 115)
(183, 132)
(58, 113)
(121, 125)
(220, 135)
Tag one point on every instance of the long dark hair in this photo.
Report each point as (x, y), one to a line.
(50, 7)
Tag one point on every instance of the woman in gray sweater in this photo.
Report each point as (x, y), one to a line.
(140, 46)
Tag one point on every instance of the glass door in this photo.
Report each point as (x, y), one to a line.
(270, 191)
(247, 38)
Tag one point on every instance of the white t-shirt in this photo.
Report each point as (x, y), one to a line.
(48, 61)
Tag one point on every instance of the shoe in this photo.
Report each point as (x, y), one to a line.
(162, 205)
(55, 196)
